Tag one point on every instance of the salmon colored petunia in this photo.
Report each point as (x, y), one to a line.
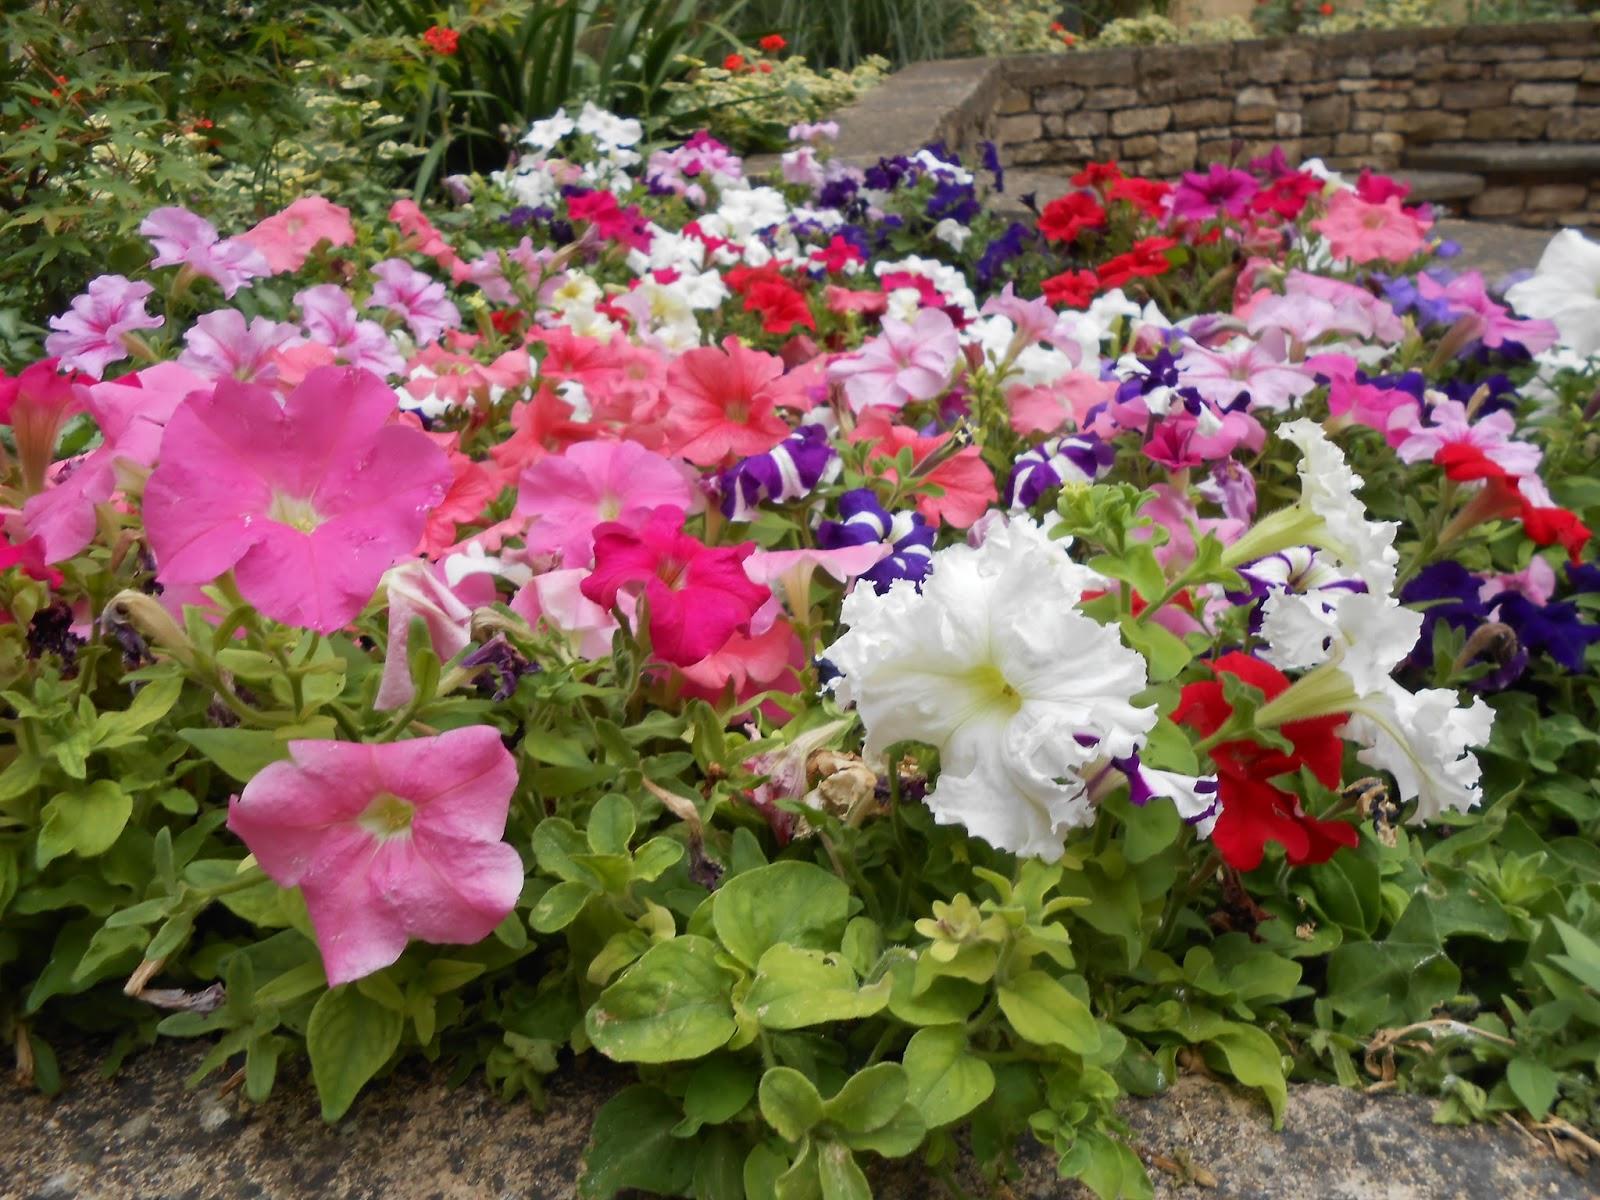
(723, 403)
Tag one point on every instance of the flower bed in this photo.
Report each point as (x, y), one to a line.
(886, 671)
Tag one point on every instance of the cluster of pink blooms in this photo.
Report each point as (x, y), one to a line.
(420, 441)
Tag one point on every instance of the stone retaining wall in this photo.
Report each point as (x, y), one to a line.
(1359, 99)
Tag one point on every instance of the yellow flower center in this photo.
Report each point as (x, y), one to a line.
(990, 684)
(388, 816)
(295, 511)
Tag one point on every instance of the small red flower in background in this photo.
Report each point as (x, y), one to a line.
(1325, 9)
(1074, 289)
(1148, 257)
(442, 40)
(773, 42)
(734, 62)
(764, 67)
(1063, 219)
(1097, 174)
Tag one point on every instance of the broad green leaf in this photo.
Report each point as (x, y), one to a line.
(795, 988)
(1254, 1059)
(241, 753)
(1534, 1084)
(718, 1089)
(1046, 1014)
(349, 1038)
(673, 1004)
(794, 902)
(559, 906)
(869, 1099)
(840, 1173)
(947, 1080)
(611, 825)
(631, 1146)
(790, 1102)
(84, 821)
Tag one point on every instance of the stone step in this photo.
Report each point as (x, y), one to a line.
(1518, 160)
(1439, 187)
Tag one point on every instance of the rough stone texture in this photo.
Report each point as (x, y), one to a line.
(145, 1136)
(1376, 98)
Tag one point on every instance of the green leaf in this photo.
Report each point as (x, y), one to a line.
(241, 753)
(1401, 979)
(675, 1003)
(611, 824)
(947, 1081)
(869, 1099)
(790, 1102)
(632, 1146)
(718, 1090)
(1164, 650)
(794, 902)
(154, 700)
(796, 988)
(1254, 1059)
(1046, 1014)
(85, 821)
(559, 907)
(1534, 1084)
(349, 1038)
(840, 1173)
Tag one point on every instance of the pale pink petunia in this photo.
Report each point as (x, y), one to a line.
(222, 345)
(554, 601)
(286, 239)
(330, 319)
(388, 842)
(183, 239)
(418, 298)
(722, 403)
(904, 363)
(791, 571)
(308, 501)
(415, 591)
(1493, 436)
(1493, 322)
(1536, 582)
(132, 413)
(92, 333)
(1258, 368)
(568, 494)
(1314, 306)
(1364, 232)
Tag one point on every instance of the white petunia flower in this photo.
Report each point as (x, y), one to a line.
(1424, 741)
(1328, 488)
(1364, 636)
(546, 135)
(1565, 289)
(607, 128)
(993, 664)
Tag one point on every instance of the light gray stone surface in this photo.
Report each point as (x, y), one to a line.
(146, 1136)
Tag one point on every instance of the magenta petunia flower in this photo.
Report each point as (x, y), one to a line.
(184, 239)
(37, 403)
(419, 298)
(329, 316)
(1221, 190)
(699, 595)
(388, 842)
(286, 239)
(308, 502)
(90, 336)
(220, 345)
(568, 494)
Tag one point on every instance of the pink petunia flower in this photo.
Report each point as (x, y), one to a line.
(764, 662)
(220, 345)
(91, 335)
(330, 319)
(1254, 367)
(388, 842)
(1391, 411)
(1364, 232)
(308, 502)
(420, 299)
(902, 364)
(183, 239)
(1065, 402)
(570, 493)
(132, 413)
(793, 570)
(722, 403)
(555, 601)
(286, 239)
(1466, 295)
(1221, 190)
(699, 595)
(1182, 440)
(1536, 582)
(1492, 436)
(415, 591)
(37, 403)
(423, 237)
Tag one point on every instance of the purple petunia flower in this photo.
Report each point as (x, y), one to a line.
(864, 520)
(1080, 458)
(785, 473)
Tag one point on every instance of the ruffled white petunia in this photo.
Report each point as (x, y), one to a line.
(1328, 489)
(1424, 740)
(1565, 289)
(993, 664)
(1364, 636)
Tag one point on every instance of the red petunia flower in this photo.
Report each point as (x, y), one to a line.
(1074, 289)
(773, 43)
(1064, 219)
(1097, 175)
(1147, 258)
(1147, 195)
(734, 62)
(1254, 812)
